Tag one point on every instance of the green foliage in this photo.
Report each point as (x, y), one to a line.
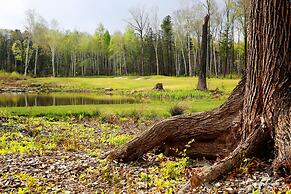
(18, 51)
(164, 176)
(13, 75)
(18, 142)
(118, 139)
(32, 184)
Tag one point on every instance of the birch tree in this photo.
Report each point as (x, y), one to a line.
(155, 26)
(53, 37)
(29, 27)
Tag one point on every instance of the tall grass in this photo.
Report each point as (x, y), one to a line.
(174, 94)
(13, 75)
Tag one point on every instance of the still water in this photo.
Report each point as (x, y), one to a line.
(58, 99)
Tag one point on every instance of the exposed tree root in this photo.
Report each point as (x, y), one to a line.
(244, 149)
(215, 126)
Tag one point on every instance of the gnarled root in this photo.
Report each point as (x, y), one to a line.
(212, 126)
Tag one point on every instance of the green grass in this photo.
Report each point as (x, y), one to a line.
(174, 94)
(133, 83)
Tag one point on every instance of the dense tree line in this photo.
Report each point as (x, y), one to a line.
(147, 47)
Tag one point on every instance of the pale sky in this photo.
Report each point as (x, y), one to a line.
(82, 15)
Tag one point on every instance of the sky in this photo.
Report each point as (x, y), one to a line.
(81, 15)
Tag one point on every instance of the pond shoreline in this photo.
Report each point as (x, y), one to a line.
(61, 99)
(39, 88)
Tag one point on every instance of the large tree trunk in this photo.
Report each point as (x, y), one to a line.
(257, 113)
(202, 76)
(266, 108)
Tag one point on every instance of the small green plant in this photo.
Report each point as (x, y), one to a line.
(173, 169)
(118, 139)
(32, 184)
(256, 192)
(166, 175)
(245, 165)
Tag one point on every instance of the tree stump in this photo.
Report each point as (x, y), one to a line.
(108, 89)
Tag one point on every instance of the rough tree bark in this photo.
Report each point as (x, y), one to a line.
(202, 76)
(257, 113)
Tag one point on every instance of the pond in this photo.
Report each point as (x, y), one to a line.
(58, 99)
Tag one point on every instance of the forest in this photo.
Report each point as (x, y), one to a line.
(147, 46)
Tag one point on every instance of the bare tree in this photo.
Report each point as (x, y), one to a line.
(155, 26)
(202, 75)
(140, 23)
(29, 27)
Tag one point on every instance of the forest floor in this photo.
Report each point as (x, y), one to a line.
(42, 155)
(56, 149)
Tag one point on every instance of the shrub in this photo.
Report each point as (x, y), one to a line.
(177, 109)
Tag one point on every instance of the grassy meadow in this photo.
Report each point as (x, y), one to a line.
(134, 83)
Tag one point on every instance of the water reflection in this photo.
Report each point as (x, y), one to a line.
(23, 100)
